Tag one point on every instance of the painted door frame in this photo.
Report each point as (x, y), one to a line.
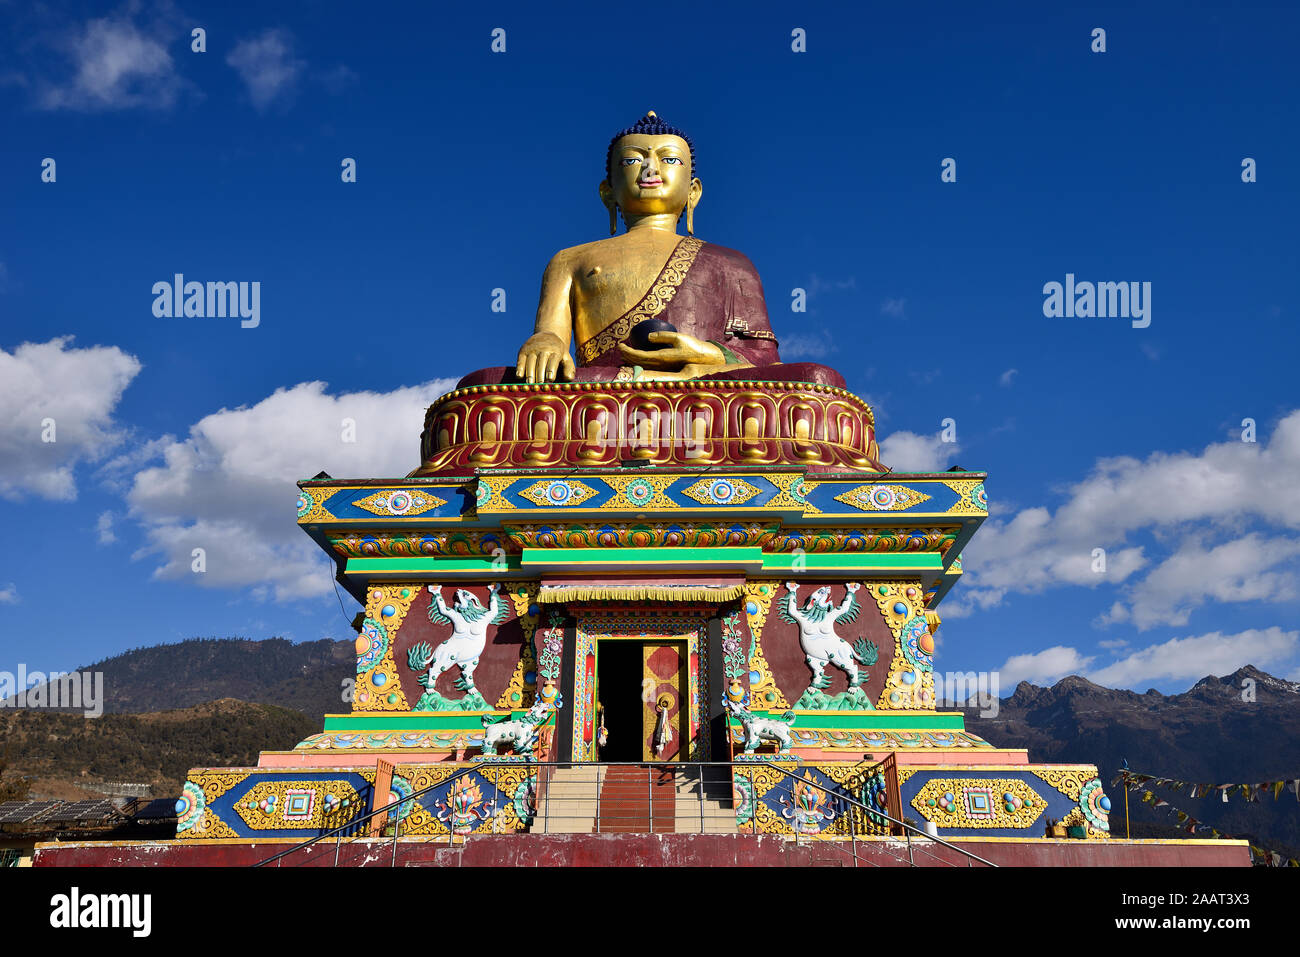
(665, 625)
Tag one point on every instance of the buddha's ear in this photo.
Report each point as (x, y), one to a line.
(607, 197)
(693, 200)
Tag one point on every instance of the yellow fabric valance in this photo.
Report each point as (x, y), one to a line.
(555, 594)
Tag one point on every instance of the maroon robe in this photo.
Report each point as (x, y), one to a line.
(706, 291)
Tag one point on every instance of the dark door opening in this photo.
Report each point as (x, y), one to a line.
(618, 690)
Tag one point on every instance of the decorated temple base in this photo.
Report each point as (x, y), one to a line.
(648, 850)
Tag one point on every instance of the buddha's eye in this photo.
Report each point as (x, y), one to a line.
(631, 160)
(674, 160)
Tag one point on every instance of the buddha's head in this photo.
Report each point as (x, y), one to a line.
(649, 169)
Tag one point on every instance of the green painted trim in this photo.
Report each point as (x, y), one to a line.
(406, 721)
(431, 563)
(873, 720)
(893, 519)
(866, 561)
(643, 556)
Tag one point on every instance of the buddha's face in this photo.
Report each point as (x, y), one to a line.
(650, 174)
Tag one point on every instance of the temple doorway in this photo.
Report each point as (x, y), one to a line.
(639, 687)
(618, 697)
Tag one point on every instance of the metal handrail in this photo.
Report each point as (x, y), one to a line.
(699, 766)
(350, 825)
(875, 813)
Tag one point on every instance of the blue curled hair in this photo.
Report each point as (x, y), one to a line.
(652, 126)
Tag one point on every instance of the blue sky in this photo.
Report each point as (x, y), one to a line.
(473, 167)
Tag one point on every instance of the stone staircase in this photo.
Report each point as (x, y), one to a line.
(714, 813)
(630, 794)
(569, 804)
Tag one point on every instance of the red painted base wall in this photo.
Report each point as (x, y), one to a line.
(642, 850)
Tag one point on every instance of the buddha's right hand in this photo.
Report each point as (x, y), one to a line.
(542, 356)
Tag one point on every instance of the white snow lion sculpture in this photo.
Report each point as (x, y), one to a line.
(821, 646)
(469, 622)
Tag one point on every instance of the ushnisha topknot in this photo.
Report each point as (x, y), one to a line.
(653, 126)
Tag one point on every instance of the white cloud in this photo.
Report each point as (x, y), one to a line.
(1006, 377)
(893, 308)
(338, 78)
(52, 390)
(818, 285)
(116, 65)
(229, 487)
(814, 346)
(1190, 659)
(1243, 569)
(9, 594)
(909, 452)
(1175, 660)
(104, 526)
(1042, 667)
(1029, 553)
(268, 67)
(1174, 495)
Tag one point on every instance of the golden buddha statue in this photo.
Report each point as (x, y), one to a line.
(650, 304)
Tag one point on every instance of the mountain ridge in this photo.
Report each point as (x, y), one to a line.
(1219, 731)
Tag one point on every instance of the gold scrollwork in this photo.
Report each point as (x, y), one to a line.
(311, 505)
(208, 827)
(216, 783)
(964, 505)
(794, 491)
(1069, 780)
(629, 489)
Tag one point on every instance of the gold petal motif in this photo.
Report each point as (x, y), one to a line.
(571, 493)
(1032, 806)
(320, 817)
(882, 498)
(733, 490)
(400, 502)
